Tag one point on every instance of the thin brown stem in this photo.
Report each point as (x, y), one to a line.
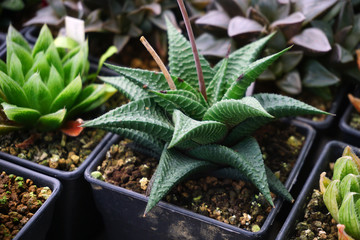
(159, 63)
(193, 47)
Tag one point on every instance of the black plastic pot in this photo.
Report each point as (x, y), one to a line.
(30, 33)
(38, 226)
(122, 210)
(331, 152)
(348, 133)
(335, 109)
(2, 44)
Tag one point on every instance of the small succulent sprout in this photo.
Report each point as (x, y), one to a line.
(42, 87)
(324, 182)
(349, 214)
(206, 122)
(350, 183)
(344, 166)
(332, 199)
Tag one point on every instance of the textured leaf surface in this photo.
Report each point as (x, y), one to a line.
(173, 168)
(276, 105)
(231, 112)
(332, 199)
(183, 85)
(21, 53)
(344, 166)
(238, 87)
(203, 132)
(142, 115)
(24, 116)
(151, 79)
(241, 59)
(217, 86)
(39, 94)
(350, 183)
(181, 60)
(13, 91)
(182, 100)
(349, 214)
(224, 156)
(125, 86)
(67, 96)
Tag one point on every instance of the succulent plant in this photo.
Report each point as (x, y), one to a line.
(324, 34)
(125, 19)
(42, 87)
(341, 194)
(199, 130)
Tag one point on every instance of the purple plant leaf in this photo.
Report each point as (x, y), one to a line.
(312, 40)
(291, 25)
(242, 27)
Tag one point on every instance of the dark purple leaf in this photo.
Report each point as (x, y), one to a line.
(273, 9)
(242, 27)
(346, 16)
(208, 45)
(316, 75)
(326, 28)
(313, 8)
(341, 55)
(290, 83)
(120, 41)
(312, 40)
(254, 14)
(160, 22)
(341, 35)
(214, 21)
(93, 22)
(353, 38)
(45, 15)
(234, 7)
(290, 60)
(289, 26)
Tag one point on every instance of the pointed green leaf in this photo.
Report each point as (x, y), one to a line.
(21, 115)
(276, 105)
(238, 87)
(251, 168)
(53, 59)
(183, 85)
(242, 58)
(129, 89)
(183, 100)
(349, 214)
(40, 66)
(3, 66)
(349, 152)
(217, 86)
(67, 96)
(39, 94)
(15, 70)
(13, 91)
(152, 80)
(91, 97)
(44, 40)
(350, 183)
(142, 115)
(109, 52)
(65, 42)
(203, 132)
(232, 112)
(344, 166)
(55, 82)
(74, 67)
(21, 53)
(173, 168)
(14, 36)
(181, 60)
(332, 199)
(51, 121)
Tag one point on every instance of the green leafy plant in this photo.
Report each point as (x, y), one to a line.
(341, 194)
(199, 130)
(42, 87)
(324, 35)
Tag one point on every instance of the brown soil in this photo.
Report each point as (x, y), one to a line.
(53, 149)
(19, 200)
(354, 121)
(234, 202)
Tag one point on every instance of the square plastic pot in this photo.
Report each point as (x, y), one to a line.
(122, 210)
(331, 152)
(2, 43)
(335, 109)
(39, 224)
(349, 134)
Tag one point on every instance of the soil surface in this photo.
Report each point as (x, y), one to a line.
(19, 200)
(53, 149)
(234, 202)
(354, 121)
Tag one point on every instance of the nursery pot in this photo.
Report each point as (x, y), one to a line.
(331, 152)
(39, 224)
(122, 210)
(349, 134)
(2, 44)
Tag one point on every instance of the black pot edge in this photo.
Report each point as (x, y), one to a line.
(310, 136)
(350, 134)
(40, 180)
(297, 211)
(329, 120)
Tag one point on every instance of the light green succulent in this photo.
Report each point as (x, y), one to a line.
(42, 87)
(342, 194)
(199, 130)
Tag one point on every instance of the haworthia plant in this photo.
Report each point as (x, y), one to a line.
(40, 88)
(193, 131)
(342, 194)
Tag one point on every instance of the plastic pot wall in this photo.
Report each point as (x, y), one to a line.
(331, 152)
(38, 226)
(122, 210)
(349, 134)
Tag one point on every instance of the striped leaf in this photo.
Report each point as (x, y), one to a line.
(51, 121)
(224, 156)
(183, 85)
(349, 214)
(332, 199)
(21, 115)
(173, 168)
(150, 79)
(14, 36)
(13, 91)
(181, 60)
(142, 115)
(37, 91)
(241, 59)
(203, 132)
(15, 70)
(21, 53)
(350, 183)
(238, 88)
(217, 86)
(344, 166)
(44, 40)
(182, 100)
(125, 86)
(276, 105)
(232, 112)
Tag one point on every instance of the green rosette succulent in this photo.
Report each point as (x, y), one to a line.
(42, 87)
(342, 194)
(195, 130)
